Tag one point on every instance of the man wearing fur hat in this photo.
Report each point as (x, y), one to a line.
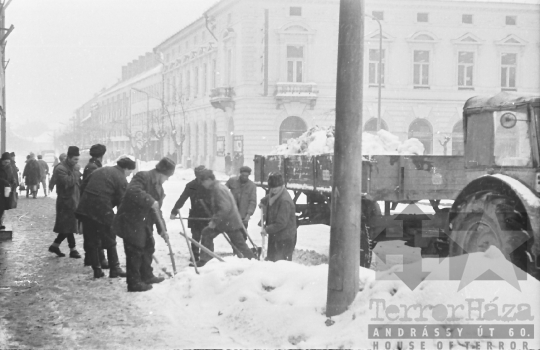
(225, 218)
(245, 194)
(280, 218)
(197, 194)
(135, 220)
(97, 152)
(100, 193)
(68, 180)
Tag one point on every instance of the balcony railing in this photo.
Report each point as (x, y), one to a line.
(222, 97)
(296, 92)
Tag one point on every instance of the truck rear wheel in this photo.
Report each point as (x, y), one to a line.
(488, 218)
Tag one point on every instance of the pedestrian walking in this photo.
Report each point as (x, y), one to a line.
(100, 193)
(15, 170)
(52, 181)
(32, 175)
(43, 173)
(67, 177)
(197, 195)
(244, 192)
(136, 216)
(97, 152)
(228, 164)
(6, 174)
(280, 220)
(225, 218)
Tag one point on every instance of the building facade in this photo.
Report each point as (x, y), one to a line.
(250, 74)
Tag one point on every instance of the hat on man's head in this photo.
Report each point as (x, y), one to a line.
(73, 151)
(39, 156)
(126, 162)
(207, 174)
(198, 170)
(166, 166)
(97, 150)
(245, 169)
(275, 180)
(12, 154)
(5, 156)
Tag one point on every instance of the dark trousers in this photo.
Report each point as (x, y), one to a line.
(280, 250)
(139, 261)
(97, 236)
(196, 235)
(70, 238)
(236, 237)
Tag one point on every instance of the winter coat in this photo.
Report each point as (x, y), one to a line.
(52, 181)
(245, 195)
(195, 192)
(225, 213)
(93, 164)
(135, 218)
(32, 173)
(6, 173)
(44, 168)
(68, 194)
(100, 193)
(15, 171)
(280, 217)
(4, 202)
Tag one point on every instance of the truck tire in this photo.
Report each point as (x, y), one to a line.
(488, 218)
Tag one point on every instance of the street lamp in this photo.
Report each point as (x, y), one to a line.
(380, 70)
(147, 121)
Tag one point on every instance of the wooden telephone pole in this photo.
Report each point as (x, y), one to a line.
(343, 269)
(4, 32)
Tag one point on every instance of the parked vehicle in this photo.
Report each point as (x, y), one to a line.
(495, 187)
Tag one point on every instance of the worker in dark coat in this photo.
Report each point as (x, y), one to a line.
(68, 180)
(225, 218)
(32, 175)
(6, 174)
(245, 194)
(52, 181)
(196, 193)
(134, 222)
(97, 152)
(101, 191)
(15, 169)
(43, 173)
(280, 219)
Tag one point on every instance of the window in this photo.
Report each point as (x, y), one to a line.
(466, 19)
(512, 145)
(204, 78)
(422, 17)
(465, 69)
(511, 20)
(196, 81)
(180, 85)
(214, 74)
(508, 71)
(295, 62)
(457, 139)
(371, 126)
(421, 69)
(378, 14)
(295, 11)
(422, 130)
(374, 68)
(229, 67)
(290, 128)
(188, 86)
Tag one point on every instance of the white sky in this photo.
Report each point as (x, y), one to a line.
(63, 51)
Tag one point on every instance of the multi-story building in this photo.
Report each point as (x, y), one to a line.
(250, 74)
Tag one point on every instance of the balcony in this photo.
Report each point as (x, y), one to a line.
(222, 97)
(296, 92)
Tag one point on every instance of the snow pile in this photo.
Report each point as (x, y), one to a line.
(320, 140)
(282, 305)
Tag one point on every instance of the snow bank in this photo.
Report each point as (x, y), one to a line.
(282, 305)
(320, 140)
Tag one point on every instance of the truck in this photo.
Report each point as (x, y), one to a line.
(492, 191)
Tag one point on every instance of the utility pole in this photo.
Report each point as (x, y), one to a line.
(343, 268)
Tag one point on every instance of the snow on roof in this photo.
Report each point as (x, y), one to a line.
(157, 69)
(502, 101)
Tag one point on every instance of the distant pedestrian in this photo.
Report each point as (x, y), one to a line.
(15, 170)
(97, 152)
(55, 162)
(225, 218)
(228, 164)
(196, 193)
(280, 218)
(52, 181)
(44, 173)
(100, 193)
(134, 222)
(245, 194)
(32, 175)
(67, 177)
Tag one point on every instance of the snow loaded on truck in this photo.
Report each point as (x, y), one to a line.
(494, 186)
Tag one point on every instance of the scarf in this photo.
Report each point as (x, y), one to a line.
(273, 198)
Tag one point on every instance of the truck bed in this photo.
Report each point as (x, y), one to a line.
(384, 177)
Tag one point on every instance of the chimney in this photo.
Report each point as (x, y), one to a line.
(124, 73)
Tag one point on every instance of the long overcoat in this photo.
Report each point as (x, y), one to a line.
(101, 191)
(280, 217)
(135, 219)
(32, 173)
(245, 195)
(68, 195)
(225, 212)
(93, 164)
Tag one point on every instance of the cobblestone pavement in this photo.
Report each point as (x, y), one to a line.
(52, 302)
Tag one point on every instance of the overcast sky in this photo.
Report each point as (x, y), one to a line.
(63, 51)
